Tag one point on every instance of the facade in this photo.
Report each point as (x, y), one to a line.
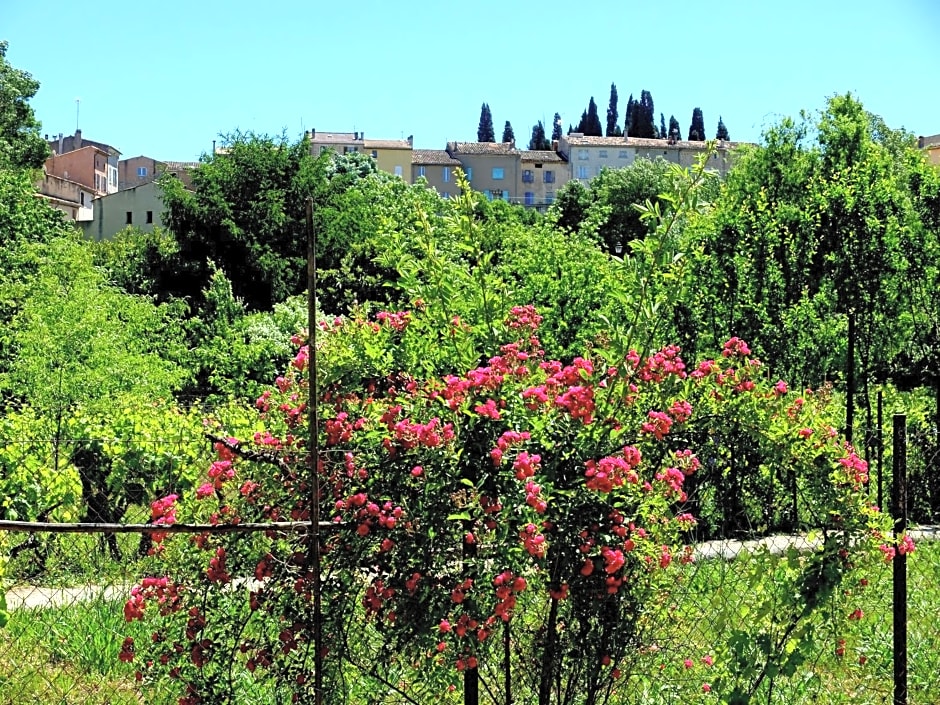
(64, 145)
(436, 167)
(88, 166)
(139, 206)
(931, 145)
(339, 142)
(70, 197)
(491, 167)
(541, 174)
(392, 156)
(588, 155)
(141, 170)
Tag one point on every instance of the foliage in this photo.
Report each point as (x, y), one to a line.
(674, 131)
(246, 215)
(136, 260)
(612, 114)
(642, 117)
(697, 128)
(556, 127)
(722, 133)
(508, 135)
(485, 130)
(590, 125)
(21, 145)
(538, 139)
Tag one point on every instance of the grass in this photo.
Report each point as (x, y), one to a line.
(68, 654)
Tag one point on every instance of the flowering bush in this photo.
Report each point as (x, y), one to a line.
(526, 501)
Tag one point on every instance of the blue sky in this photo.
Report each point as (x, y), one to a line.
(166, 78)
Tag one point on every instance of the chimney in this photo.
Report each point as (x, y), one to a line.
(920, 142)
(61, 140)
(362, 135)
(411, 141)
(78, 139)
(554, 145)
(313, 134)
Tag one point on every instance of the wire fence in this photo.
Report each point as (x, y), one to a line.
(66, 587)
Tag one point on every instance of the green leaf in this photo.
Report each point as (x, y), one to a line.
(461, 516)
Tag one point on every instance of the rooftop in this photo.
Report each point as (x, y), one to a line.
(540, 155)
(481, 148)
(433, 156)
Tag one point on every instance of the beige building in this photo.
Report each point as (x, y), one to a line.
(392, 156)
(87, 166)
(70, 197)
(139, 206)
(931, 145)
(588, 155)
(436, 167)
(541, 174)
(492, 168)
(141, 170)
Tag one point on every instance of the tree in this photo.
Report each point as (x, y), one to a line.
(628, 118)
(662, 127)
(247, 215)
(697, 128)
(485, 131)
(722, 133)
(590, 125)
(556, 127)
(508, 134)
(538, 140)
(21, 145)
(674, 132)
(612, 114)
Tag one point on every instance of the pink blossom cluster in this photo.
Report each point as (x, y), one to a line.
(162, 590)
(397, 320)
(523, 317)
(610, 472)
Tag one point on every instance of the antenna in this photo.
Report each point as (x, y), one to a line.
(77, 105)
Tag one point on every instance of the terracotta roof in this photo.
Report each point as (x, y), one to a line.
(386, 144)
(540, 155)
(335, 137)
(179, 166)
(481, 148)
(433, 156)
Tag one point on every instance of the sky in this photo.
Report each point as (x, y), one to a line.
(164, 79)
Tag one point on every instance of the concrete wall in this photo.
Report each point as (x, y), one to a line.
(141, 207)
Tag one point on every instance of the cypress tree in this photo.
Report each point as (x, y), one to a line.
(556, 127)
(485, 131)
(508, 134)
(593, 126)
(662, 127)
(722, 133)
(539, 141)
(675, 133)
(628, 118)
(697, 128)
(612, 114)
(645, 122)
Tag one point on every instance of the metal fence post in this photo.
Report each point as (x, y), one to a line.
(899, 512)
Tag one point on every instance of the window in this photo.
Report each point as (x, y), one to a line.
(375, 154)
(529, 199)
(446, 175)
(622, 154)
(420, 171)
(82, 197)
(149, 217)
(349, 150)
(141, 172)
(129, 218)
(445, 194)
(488, 195)
(583, 172)
(549, 197)
(498, 173)
(582, 154)
(527, 176)
(602, 154)
(469, 173)
(548, 176)
(112, 175)
(398, 170)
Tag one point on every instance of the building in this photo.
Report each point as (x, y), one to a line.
(491, 167)
(392, 156)
(436, 167)
(70, 197)
(139, 206)
(541, 174)
(141, 170)
(931, 145)
(586, 156)
(64, 145)
(88, 166)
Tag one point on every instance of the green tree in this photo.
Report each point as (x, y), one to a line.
(628, 119)
(485, 130)
(722, 133)
(612, 114)
(662, 127)
(556, 127)
(21, 145)
(675, 133)
(508, 134)
(538, 139)
(247, 215)
(697, 128)
(590, 124)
